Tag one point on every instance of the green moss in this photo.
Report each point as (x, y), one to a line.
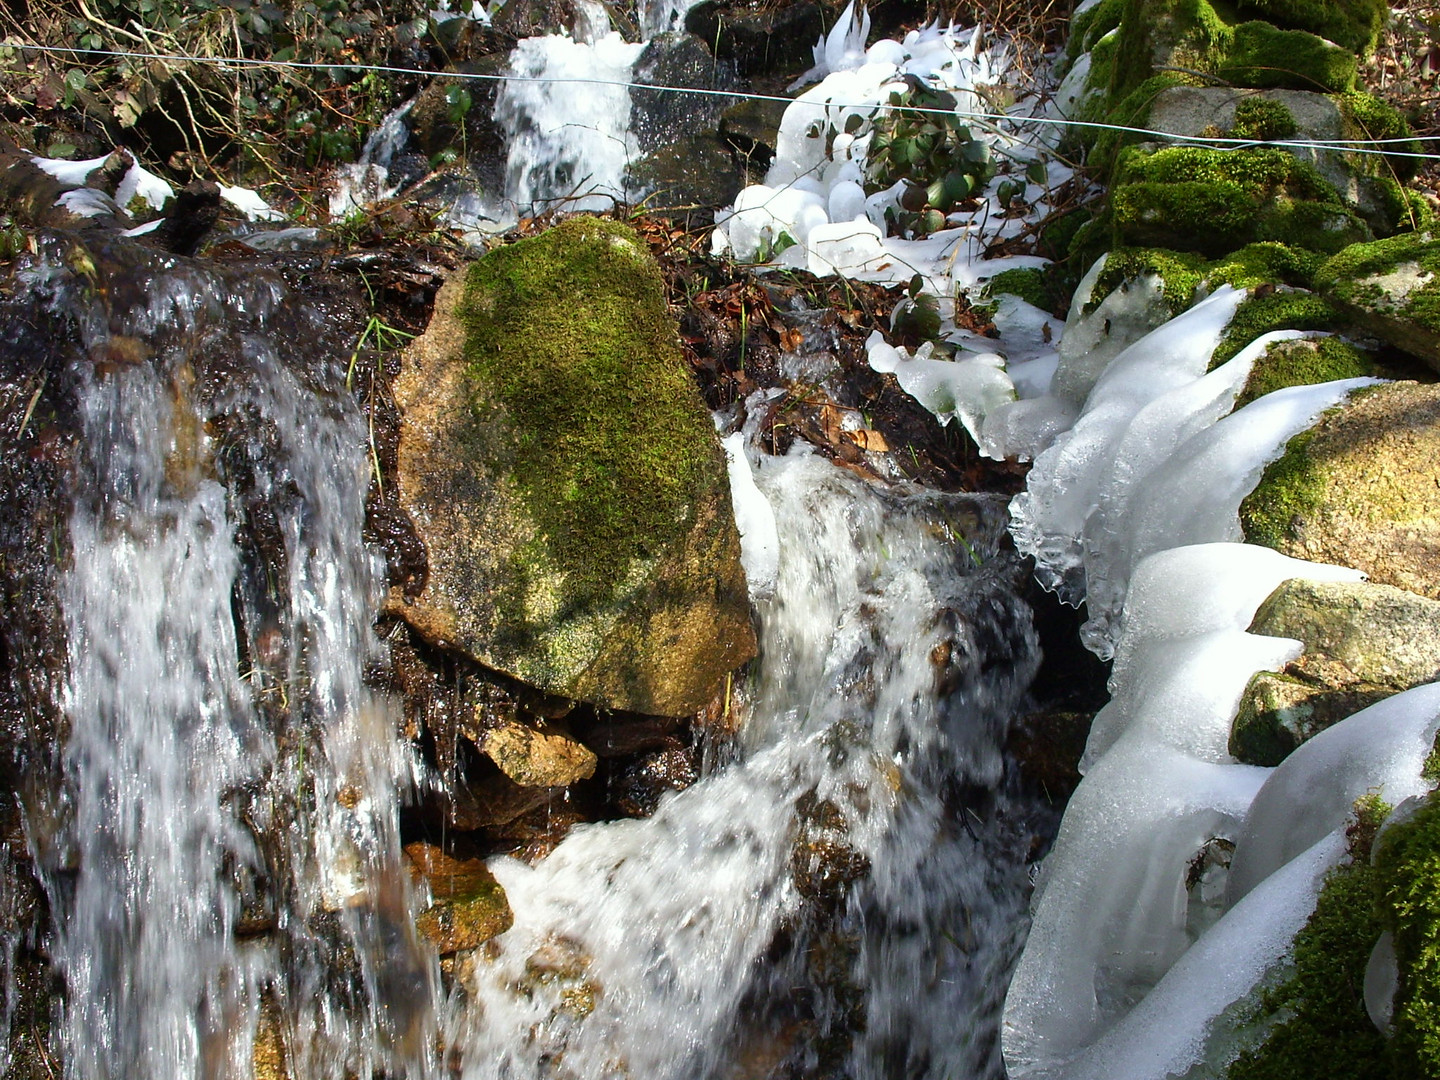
(1179, 271)
(1090, 26)
(1324, 1030)
(1262, 56)
(570, 334)
(1275, 311)
(1355, 277)
(1213, 201)
(1177, 33)
(1352, 24)
(1408, 887)
(1290, 490)
(1304, 363)
(1268, 261)
(1263, 119)
(1368, 117)
(1030, 284)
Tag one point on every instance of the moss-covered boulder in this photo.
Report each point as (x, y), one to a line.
(1407, 864)
(1351, 24)
(1363, 642)
(467, 907)
(565, 478)
(1366, 182)
(1361, 488)
(1214, 201)
(1304, 362)
(1390, 287)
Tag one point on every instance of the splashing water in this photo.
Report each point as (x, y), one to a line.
(835, 898)
(223, 751)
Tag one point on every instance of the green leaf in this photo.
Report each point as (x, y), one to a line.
(916, 284)
(853, 123)
(959, 186)
(783, 242)
(935, 195)
(1035, 172)
(976, 152)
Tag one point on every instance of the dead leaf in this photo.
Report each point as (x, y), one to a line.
(868, 439)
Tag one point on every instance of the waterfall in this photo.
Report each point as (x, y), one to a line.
(844, 895)
(226, 770)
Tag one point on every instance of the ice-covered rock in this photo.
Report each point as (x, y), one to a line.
(1112, 908)
(1380, 749)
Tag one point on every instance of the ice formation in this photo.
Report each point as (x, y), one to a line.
(1111, 909)
(137, 183)
(1141, 952)
(813, 213)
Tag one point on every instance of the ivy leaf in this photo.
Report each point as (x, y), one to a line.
(853, 123)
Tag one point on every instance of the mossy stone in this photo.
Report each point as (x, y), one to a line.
(1363, 642)
(1361, 488)
(1262, 314)
(1407, 863)
(1304, 362)
(1030, 284)
(566, 480)
(1352, 24)
(1319, 1026)
(1391, 288)
(1278, 712)
(1264, 57)
(468, 906)
(1214, 201)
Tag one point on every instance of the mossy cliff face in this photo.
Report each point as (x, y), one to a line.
(567, 482)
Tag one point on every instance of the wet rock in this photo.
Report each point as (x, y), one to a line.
(751, 126)
(455, 116)
(468, 906)
(1363, 642)
(1390, 288)
(763, 38)
(641, 785)
(537, 759)
(699, 171)
(662, 117)
(1361, 488)
(566, 481)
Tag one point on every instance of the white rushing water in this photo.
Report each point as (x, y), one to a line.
(189, 774)
(692, 942)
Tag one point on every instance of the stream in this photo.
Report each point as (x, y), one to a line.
(842, 893)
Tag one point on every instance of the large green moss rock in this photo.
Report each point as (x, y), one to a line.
(1352, 24)
(1390, 287)
(1361, 488)
(1363, 642)
(567, 482)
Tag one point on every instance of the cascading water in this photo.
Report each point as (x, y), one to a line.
(838, 898)
(843, 894)
(226, 765)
